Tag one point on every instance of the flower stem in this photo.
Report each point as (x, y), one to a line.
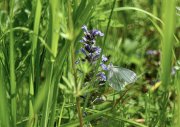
(78, 106)
(79, 111)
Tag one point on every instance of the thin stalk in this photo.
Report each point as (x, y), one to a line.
(79, 111)
(108, 24)
(55, 95)
(4, 112)
(34, 62)
(71, 30)
(61, 112)
(12, 70)
(44, 121)
(48, 83)
(78, 105)
(31, 94)
(35, 51)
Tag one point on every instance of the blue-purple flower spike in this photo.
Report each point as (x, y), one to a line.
(90, 35)
(92, 52)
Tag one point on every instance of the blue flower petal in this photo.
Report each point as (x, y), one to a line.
(102, 76)
(89, 57)
(93, 41)
(98, 50)
(87, 47)
(84, 28)
(104, 67)
(97, 33)
(83, 51)
(83, 39)
(104, 58)
(100, 33)
(95, 57)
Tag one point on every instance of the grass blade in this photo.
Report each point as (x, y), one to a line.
(166, 56)
(4, 111)
(12, 70)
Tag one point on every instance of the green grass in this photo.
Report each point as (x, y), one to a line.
(41, 86)
(167, 48)
(11, 67)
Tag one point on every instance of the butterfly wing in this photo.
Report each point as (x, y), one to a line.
(118, 78)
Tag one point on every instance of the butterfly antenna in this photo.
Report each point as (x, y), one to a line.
(139, 76)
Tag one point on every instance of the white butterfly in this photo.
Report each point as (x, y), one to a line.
(119, 77)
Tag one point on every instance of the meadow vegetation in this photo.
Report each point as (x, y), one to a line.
(47, 79)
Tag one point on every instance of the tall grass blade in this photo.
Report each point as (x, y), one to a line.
(35, 59)
(11, 64)
(53, 37)
(4, 107)
(167, 48)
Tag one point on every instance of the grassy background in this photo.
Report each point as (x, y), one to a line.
(39, 82)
